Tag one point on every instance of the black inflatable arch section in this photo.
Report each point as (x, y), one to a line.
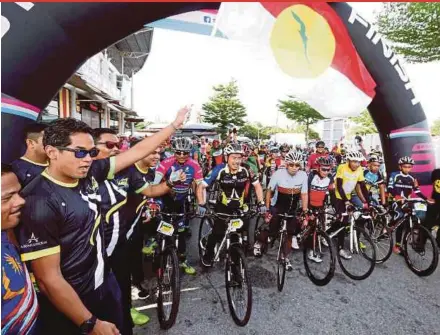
(45, 43)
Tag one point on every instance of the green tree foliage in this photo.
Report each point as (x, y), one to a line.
(301, 112)
(142, 125)
(364, 123)
(414, 27)
(435, 129)
(224, 107)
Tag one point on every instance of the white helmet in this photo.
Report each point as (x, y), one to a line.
(406, 160)
(233, 148)
(354, 156)
(182, 144)
(293, 157)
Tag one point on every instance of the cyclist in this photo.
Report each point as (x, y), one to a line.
(195, 150)
(232, 178)
(216, 154)
(251, 158)
(400, 185)
(284, 150)
(175, 201)
(433, 214)
(320, 152)
(349, 177)
(286, 188)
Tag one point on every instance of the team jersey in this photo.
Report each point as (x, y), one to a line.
(287, 189)
(114, 211)
(26, 170)
(349, 178)
(191, 168)
(402, 185)
(65, 218)
(373, 181)
(318, 188)
(311, 162)
(216, 156)
(232, 185)
(19, 300)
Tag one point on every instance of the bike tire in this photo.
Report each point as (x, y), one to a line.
(372, 260)
(204, 222)
(281, 263)
(237, 254)
(259, 221)
(379, 233)
(433, 266)
(328, 277)
(168, 253)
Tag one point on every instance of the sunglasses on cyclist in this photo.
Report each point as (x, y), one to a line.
(325, 169)
(298, 165)
(81, 153)
(110, 145)
(181, 153)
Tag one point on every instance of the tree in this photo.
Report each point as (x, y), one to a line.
(364, 123)
(142, 125)
(414, 27)
(435, 129)
(301, 112)
(224, 107)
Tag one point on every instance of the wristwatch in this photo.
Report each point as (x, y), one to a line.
(87, 326)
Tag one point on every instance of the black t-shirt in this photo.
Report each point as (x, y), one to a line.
(66, 218)
(26, 170)
(115, 208)
(435, 177)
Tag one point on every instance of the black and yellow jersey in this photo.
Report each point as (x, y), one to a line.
(26, 170)
(115, 211)
(65, 218)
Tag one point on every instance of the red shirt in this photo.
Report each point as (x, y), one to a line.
(311, 163)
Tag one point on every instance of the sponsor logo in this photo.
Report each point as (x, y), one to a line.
(33, 241)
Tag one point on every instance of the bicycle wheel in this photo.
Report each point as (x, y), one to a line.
(319, 258)
(168, 288)
(419, 245)
(281, 263)
(259, 222)
(363, 255)
(238, 286)
(205, 229)
(382, 237)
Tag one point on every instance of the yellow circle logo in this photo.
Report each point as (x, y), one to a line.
(437, 186)
(302, 42)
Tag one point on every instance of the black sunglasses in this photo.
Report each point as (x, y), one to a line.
(181, 153)
(81, 153)
(110, 145)
(325, 169)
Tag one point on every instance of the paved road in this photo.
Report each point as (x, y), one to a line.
(392, 300)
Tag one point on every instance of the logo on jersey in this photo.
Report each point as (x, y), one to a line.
(122, 183)
(32, 239)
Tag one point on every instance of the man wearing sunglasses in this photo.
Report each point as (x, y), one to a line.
(61, 234)
(34, 160)
(120, 198)
(286, 188)
(176, 200)
(320, 152)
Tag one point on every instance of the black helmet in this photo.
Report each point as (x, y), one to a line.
(320, 144)
(324, 161)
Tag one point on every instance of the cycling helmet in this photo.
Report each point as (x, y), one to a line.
(274, 149)
(284, 147)
(233, 148)
(182, 144)
(354, 156)
(293, 157)
(320, 144)
(373, 159)
(406, 160)
(324, 161)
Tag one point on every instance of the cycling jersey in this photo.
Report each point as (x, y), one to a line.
(65, 218)
(373, 181)
(114, 212)
(232, 185)
(402, 185)
(191, 168)
(287, 189)
(311, 162)
(19, 300)
(216, 156)
(318, 188)
(349, 179)
(26, 170)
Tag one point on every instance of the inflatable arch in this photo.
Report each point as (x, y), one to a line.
(45, 43)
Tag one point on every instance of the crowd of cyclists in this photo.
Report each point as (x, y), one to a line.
(81, 216)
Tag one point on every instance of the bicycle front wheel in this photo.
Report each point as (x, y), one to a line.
(420, 251)
(205, 230)
(168, 288)
(382, 238)
(238, 286)
(319, 258)
(361, 255)
(281, 263)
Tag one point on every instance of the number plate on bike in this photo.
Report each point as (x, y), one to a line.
(419, 206)
(165, 228)
(236, 223)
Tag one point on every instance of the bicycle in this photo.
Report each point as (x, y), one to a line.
(416, 236)
(168, 272)
(238, 284)
(359, 243)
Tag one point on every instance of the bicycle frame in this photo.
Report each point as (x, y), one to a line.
(353, 235)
